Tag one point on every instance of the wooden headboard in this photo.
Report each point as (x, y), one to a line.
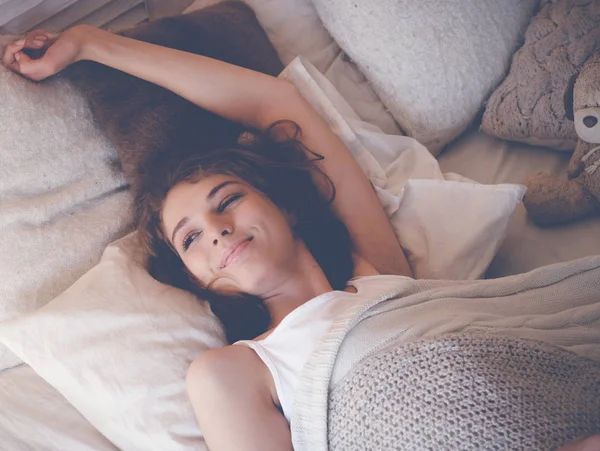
(20, 16)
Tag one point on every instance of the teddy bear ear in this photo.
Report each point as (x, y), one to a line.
(568, 98)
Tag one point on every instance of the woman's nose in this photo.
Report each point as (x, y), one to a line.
(220, 227)
(224, 232)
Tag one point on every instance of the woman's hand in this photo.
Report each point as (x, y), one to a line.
(58, 51)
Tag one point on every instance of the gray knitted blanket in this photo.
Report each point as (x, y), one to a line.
(466, 392)
(504, 364)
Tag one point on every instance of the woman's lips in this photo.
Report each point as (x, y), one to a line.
(232, 253)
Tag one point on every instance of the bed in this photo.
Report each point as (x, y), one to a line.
(46, 413)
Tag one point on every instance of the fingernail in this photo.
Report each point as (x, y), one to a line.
(41, 38)
(18, 56)
(36, 42)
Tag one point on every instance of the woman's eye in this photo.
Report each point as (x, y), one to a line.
(189, 239)
(228, 201)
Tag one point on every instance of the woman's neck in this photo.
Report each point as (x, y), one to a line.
(302, 282)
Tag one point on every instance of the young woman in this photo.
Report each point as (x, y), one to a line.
(248, 224)
(230, 236)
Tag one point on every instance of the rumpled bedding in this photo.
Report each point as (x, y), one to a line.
(449, 226)
(511, 363)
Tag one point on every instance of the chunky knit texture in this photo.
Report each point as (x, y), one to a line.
(529, 104)
(466, 392)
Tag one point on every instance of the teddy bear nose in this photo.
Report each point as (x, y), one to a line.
(590, 121)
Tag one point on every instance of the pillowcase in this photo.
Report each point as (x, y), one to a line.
(49, 423)
(529, 104)
(453, 229)
(117, 346)
(431, 63)
(58, 184)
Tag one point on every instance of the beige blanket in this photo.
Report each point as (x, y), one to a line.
(557, 305)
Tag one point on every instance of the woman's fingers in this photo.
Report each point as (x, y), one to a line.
(14, 50)
(42, 34)
(34, 69)
(19, 61)
(37, 39)
(40, 39)
(11, 50)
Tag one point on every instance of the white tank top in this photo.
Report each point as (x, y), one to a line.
(286, 350)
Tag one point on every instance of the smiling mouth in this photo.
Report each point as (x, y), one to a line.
(233, 252)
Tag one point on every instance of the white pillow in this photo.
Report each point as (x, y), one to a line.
(117, 345)
(433, 63)
(58, 186)
(449, 226)
(453, 229)
(35, 416)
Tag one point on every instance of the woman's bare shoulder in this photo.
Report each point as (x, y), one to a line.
(229, 390)
(213, 370)
(214, 362)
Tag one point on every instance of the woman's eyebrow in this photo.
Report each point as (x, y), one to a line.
(216, 189)
(179, 225)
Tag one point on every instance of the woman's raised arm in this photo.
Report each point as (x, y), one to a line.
(242, 95)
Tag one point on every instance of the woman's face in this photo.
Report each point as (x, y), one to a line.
(231, 237)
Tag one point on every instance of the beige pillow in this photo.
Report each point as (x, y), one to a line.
(432, 63)
(62, 196)
(528, 106)
(117, 345)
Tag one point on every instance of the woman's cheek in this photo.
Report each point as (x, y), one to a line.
(199, 268)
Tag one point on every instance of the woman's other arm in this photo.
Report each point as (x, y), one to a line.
(245, 96)
(234, 406)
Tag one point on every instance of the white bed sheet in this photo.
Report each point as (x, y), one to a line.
(36, 417)
(526, 246)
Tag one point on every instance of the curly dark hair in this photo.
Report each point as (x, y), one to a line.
(276, 164)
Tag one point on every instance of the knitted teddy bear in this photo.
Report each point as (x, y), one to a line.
(559, 199)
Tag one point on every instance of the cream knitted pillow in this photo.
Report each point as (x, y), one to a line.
(528, 106)
(432, 63)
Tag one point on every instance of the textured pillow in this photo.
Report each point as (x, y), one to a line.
(432, 63)
(117, 346)
(58, 186)
(528, 106)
